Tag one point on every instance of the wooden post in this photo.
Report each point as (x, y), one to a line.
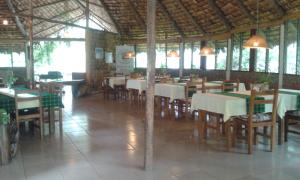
(281, 55)
(229, 57)
(151, 14)
(181, 60)
(87, 13)
(30, 63)
(203, 58)
(252, 60)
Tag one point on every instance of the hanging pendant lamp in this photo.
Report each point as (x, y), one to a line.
(129, 55)
(256, 41)
(173, 54)
(207, 51)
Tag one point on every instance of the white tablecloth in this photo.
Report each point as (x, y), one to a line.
(116, 81)
(234, 106)
(137, 84)
(23, 104)
(172, 91)
(216, 83)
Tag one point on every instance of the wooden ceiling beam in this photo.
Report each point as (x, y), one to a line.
(59, 15)
(70, 20)
(213, 5)
(137, 16)
(44, 5)
(20, 25)
(191, 17)
(244, 9)
(105, 7)
(277, 6)
(170, 18)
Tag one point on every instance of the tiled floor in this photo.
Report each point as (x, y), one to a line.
(103, 140)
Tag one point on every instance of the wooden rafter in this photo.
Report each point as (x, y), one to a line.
(277, 6)
(83, 7)
(213, 5)
(171, 19)
(43, 5)
(95, 4)
(191, 17)
(59, 15)
(70, 20)
(137, 16)
(17, 19)
(105, 7)
(244, 9)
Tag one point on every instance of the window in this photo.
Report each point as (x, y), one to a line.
(291, 47)
(245, 53)
(188, 56)
(221, 54)
(19, 59)
(5, 59)
(210, 62)
(196, 56)
(260, 60)
(236, 52)
(141, 56)
(173, 62)
(273, 37)
(160, 56)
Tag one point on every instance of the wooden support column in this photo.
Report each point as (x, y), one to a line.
(281, 55)
(252, 60)
(229, 57)
(30, 62)
(151, 14)
(203, 58)
(87, 13)
(181, 59)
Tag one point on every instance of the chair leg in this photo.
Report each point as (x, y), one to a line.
(286, 129)
(255, 136)
(272, 138)
(250, 140)
(60, 119)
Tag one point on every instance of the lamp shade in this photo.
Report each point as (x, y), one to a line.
(5, 22)
(173, 54)
(129, 55)
(256, 41)
(206, 51)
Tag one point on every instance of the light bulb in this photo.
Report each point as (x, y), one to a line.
(5, 22)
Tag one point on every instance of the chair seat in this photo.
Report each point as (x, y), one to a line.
(260, 117)
(295, 115)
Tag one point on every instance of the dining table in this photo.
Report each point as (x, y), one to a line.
(49, 100)
(235, 104)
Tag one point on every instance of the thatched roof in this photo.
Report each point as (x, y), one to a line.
(176, 19)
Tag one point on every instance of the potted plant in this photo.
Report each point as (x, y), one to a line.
(263, 82)
(9, 79)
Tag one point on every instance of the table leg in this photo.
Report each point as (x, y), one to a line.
(280, 130)
(228, 134)
(51, 120)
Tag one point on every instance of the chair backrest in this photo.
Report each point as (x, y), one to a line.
(27, 100)
(200, 84)
(231, 85)
(56, 88)
(44, 87)
(166, 80)
(262, 98)
(192, 87)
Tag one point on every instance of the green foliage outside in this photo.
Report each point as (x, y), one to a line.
(42, 51)
(4, 117)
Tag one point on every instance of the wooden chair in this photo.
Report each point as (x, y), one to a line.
(253, 121)
(28, 107)
(230, 85)
(57, 89)
(291, 118)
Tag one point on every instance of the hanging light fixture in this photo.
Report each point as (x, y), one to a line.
(129, 55)
(256, 41)
(173, 54)
(5, 22)
(207, 51)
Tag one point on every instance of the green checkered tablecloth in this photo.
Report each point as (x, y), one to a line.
(292, 93)
(258, 108)
(48, 100)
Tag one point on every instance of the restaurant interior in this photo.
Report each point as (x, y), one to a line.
(149, 89)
